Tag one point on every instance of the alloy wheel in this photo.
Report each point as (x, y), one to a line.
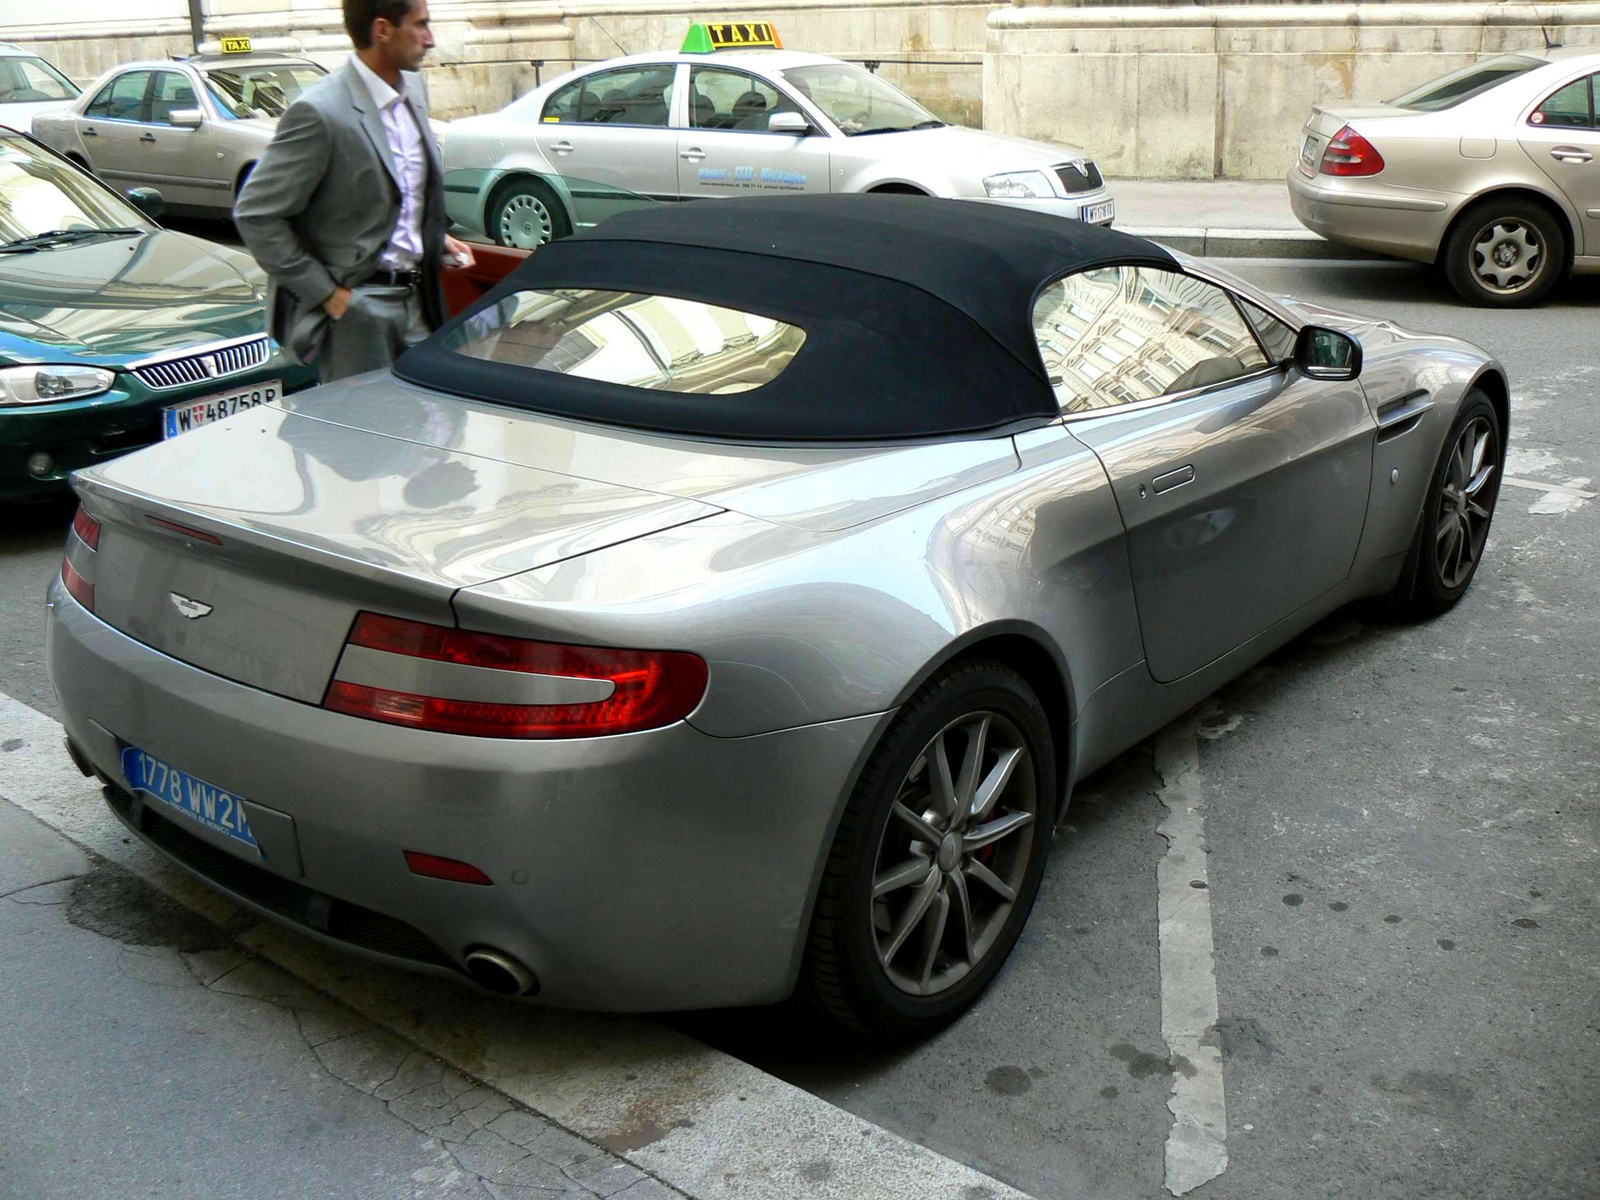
(1466, 503)
(953, 854)
(525, 222)
(1507, 256)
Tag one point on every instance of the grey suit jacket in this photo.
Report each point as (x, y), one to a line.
(322, 203)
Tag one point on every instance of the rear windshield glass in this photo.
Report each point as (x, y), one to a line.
(642, 341)
(1449, 90)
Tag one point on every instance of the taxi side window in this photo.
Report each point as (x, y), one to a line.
(173, 91)
(1571, 107)
(1122, 335)
(628, 96)
(122, 99)
(724, 99)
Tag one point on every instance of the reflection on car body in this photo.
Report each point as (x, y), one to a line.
(781, 565)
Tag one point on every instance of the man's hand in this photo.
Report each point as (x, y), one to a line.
(458, 254)
(337, 304)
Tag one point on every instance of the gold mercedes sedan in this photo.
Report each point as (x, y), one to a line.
(1489, 172)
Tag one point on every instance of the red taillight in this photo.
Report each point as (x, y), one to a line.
(174, 527)
(78, 587)
(651, 687)
(87, 528)
(1349, 153)
(452, 869)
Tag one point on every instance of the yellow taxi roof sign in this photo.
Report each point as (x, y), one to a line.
(236, 45)
(728, 35)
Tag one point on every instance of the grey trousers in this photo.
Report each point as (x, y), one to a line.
(379, 324)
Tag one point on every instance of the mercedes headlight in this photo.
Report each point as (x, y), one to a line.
(1019, 185)
(48, 384)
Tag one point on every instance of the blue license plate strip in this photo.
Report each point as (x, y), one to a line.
(216, 808)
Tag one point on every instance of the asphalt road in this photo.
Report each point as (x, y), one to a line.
(1403, 841)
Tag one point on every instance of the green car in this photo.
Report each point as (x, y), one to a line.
(114, 332)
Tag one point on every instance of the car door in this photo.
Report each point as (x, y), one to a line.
(110, 126)
(613, 127)
(180, 159)
(726, 148)
(1242, 486)
(1562, 135)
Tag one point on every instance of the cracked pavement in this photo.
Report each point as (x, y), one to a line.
(142, 1053)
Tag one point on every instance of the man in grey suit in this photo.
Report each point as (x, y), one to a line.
(345, 210)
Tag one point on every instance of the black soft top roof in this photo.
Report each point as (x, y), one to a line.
(917, 311)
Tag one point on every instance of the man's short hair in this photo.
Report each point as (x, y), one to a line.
(360, 14)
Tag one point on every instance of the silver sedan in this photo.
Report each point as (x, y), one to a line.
(1490, 171)
(191, 128)
(727, 604)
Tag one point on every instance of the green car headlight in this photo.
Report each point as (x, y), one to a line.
(48, 384)
(1019, 185)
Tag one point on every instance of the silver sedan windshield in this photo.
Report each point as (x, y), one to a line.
(857, 101)
(1450, 90)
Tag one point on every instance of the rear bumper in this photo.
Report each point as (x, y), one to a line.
(660, 870)
(1405, 222)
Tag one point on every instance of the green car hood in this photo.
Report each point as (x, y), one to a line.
(120, 299)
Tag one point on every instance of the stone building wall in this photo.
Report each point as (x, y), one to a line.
(1175, 90)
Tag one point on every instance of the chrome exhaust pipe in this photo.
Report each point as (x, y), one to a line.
(500, 973)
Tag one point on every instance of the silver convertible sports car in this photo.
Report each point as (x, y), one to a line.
(727, 603)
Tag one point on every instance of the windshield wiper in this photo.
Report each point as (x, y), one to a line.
(59, 237)
(899, 128)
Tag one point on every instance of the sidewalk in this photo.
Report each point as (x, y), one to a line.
(1221, 218)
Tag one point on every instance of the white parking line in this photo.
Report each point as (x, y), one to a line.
(703, 1121)
(1197, 1148)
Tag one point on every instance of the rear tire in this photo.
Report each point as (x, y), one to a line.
(1505, 253)
(525, 213)
(926, 888)
(1454, 527)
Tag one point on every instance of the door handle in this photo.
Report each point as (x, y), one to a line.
(693, 154)
(1172, 479)
(1570, 154)
(148, 137)
(90, 132)
(562, 147)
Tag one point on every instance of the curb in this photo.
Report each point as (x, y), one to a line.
(1253, 243)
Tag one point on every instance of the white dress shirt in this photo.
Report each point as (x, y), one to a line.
(404, 250)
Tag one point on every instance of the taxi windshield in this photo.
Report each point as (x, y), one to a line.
(41, 194)
(259, 91)
(1450, 90)
(857, 101)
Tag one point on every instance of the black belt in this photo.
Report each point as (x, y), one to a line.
(383, 277)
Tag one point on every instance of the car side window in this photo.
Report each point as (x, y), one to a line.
(627, 96)
(1571, 107)
(1278, 338)
(724, 99)
(122, 99)
(173, 91)
(1122, 335)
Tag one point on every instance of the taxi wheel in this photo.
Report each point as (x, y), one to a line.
(525, 213)
(1505, 253)
(937, 858)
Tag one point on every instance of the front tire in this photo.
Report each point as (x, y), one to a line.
(525, 213)
(1456, 515)
(937, 859)
(1505, 253)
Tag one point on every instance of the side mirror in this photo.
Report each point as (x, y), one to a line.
(148, 201)
(789, 122)
(1322, 353)
(185, 118)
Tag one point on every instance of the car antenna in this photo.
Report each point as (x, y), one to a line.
(1548, 44)
(607, 32)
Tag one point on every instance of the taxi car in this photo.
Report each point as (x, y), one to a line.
(29, 85)
(733, 114)
(1489, 172)
(726, 603)
(194, 128)
(114, 332)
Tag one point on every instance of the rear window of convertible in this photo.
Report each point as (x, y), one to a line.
(643, 341)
